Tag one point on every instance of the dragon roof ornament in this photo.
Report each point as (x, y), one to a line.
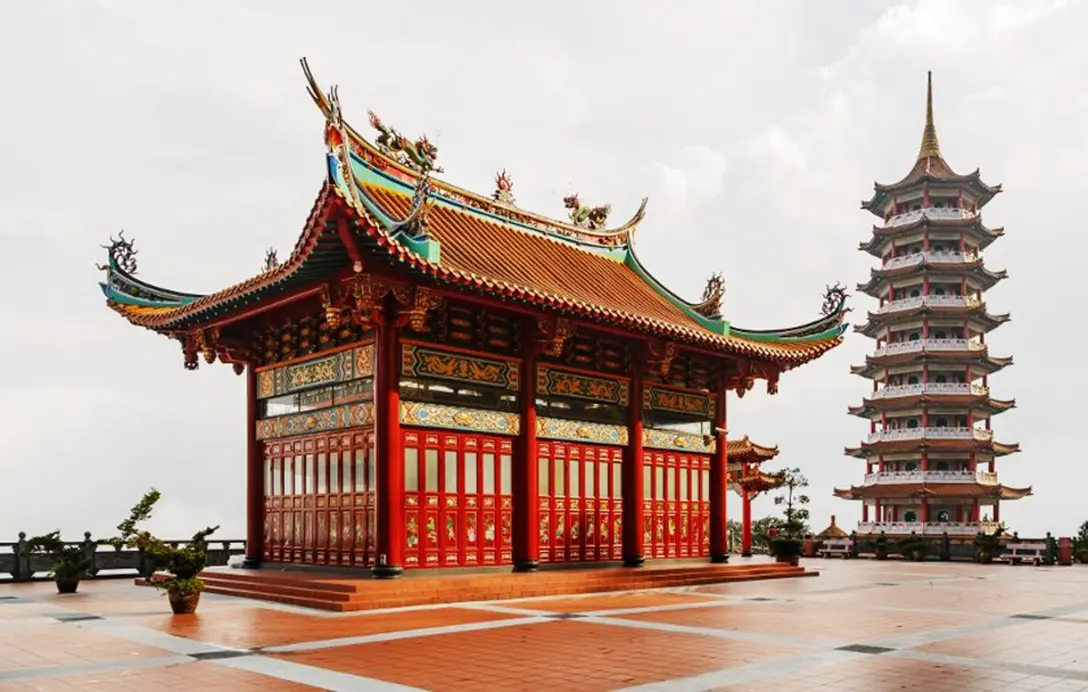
(835, 300)
(122, 254)
(584, 216)
(711, 304)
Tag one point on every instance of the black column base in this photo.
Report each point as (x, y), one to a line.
(720, 558)
(634, 561)
(526, 566)
(386, 571)
(748, 554)
(251, 563)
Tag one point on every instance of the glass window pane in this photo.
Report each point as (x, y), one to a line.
(322, 484)
(288, 477)
(299, 488)
(371, 468)
(489, 473)
(684, 484)
(470, 473)
(590, 477)
(647, 482)
(617, 480)
(334, 472)
(706, 486)
(670, 483)
(267, 477)
(544, 476)
(277, 477)
(506, 478)
(659, 482)
(602, 479)
(573, 477)
(360, 470)
(430, 479)
(411, 470)
(560, 488)
(451, 471)
(311, 473)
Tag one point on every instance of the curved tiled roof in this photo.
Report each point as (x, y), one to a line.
(893, 491)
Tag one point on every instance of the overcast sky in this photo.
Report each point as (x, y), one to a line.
(754, 128)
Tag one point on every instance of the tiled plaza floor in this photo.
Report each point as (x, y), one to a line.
(865, 626)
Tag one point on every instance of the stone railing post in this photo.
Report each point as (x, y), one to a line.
(854, 544)
(22, 562)
(89, 549)
(946, 547)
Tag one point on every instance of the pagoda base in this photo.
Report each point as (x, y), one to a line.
(902, 528)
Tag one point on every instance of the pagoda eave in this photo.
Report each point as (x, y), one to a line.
(910, 491)
(936, 444)
(876, 286)
(980, 362)
(978, 402)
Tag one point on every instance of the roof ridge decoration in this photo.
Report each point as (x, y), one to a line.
(504, 189)
(931, 146)
(711, 304)
(395, 155)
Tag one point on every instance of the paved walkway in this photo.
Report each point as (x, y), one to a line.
(861, 625)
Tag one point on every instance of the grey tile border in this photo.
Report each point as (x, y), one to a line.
(994, 664)
(321, 678)
(85, 668)
(749, 673)
(738, 635)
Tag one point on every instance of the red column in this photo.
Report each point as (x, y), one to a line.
(864, 512)
(254, 477)
(387, 441)
(719, 483)
(997, 510)
(526, 480)
(633, 518)
(746, 523)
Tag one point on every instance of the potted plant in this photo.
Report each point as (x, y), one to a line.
(914, 548)
(986, 546)
(71, 564)
(181, 584)
(787, 546)
(786, 549)
(880, 547)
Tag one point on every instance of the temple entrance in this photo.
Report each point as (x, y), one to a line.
(676, 499)
(580, 502)
(320, 499)
(458, 499)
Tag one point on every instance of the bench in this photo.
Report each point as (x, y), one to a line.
(837, 546)
(1016, 553)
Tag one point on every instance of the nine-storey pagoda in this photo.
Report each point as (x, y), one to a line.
(439, 378)
(930, 453)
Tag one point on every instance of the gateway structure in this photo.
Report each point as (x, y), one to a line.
(930, 455)
(438, 378)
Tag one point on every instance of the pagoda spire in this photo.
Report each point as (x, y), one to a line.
(930, 146)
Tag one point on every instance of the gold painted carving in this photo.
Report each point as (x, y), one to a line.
(556, 333)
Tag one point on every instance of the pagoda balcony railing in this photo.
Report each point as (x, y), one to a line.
(930, 213)
(900, 347)
(929, 528)
(930, 301)
(900, 477)
(931, 433)
(933, 257)
(902, 390)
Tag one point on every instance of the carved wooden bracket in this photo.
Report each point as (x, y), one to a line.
(190, 350)
(334, 313)
(662, 357)
(556, 331)
(424, 300)
(207, 340)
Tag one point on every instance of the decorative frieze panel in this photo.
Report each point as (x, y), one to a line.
(676, 401)
(458, 418)
(422, 361)
(347, 416)
(349, 364)
(550, 381)
(685, 442)
(576, 431)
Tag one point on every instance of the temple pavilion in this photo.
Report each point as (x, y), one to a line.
(440, 378)
(931, 452)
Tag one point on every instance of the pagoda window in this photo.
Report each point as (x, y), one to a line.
(939, 205)
(916, 249)
(912, 423)
(942, 466)
(941, 334)
(942, 422)
(580, 410)
(458, 394)
(915, 336)
(913, 379)
(915, 207)
(911, 466)
(915, 293)
(676, 422)
(910, 517)
(941, 378)
(943, 516)
(939, 291)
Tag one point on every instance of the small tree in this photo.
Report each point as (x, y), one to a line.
(795, 513)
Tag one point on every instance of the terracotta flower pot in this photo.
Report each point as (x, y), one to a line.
(184, 605)
(66, 584)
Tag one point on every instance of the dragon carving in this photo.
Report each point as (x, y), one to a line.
(711, 304)
(834, 299)
(584, 216)
(504, 188)
(122, 253)
(419, 155)
(270, 259)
